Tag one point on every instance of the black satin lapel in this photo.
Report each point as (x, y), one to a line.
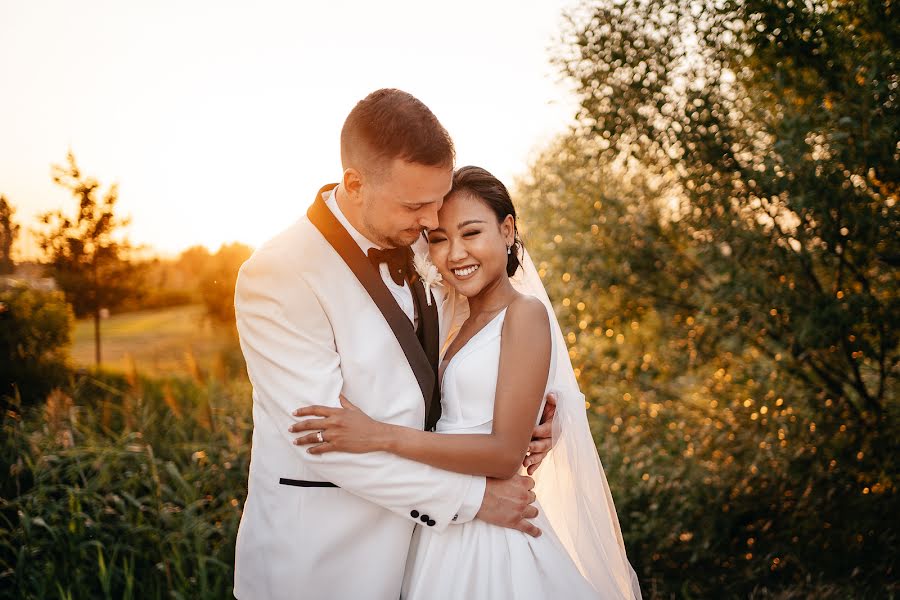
(428, 322)
(324, 220)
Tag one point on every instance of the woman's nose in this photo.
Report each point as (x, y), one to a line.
(457, 252)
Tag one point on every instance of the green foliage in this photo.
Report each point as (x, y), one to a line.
(219, 277)
(127, 488)
(9, 230)
(719, 235)
(775, 157)
(35, 329)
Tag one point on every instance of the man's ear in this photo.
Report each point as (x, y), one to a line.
(352, 183)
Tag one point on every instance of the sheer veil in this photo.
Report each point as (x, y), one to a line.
(570, 484)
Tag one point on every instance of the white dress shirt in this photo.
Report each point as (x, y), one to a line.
(402, 294)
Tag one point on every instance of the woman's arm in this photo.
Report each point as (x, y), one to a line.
(522, 377)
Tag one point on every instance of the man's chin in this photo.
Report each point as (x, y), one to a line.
(407, 238)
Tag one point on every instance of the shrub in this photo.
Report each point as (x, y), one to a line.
(35, 329)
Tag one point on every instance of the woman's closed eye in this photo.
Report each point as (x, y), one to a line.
(434, 239)
(471, 233)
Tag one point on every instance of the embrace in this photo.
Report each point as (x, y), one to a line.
(418, 429)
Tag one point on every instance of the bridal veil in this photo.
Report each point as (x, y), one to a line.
(570, 483)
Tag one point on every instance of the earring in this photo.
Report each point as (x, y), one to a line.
(509, 249)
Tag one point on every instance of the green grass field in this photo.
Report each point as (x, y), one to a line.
(170, 341)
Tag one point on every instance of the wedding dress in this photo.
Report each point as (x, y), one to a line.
(583, 556)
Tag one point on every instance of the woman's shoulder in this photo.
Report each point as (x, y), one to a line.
(527, 314)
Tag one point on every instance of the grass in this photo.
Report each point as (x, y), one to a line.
(124, 489)
(170, 341)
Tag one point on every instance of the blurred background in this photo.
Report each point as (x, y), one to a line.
(709, 190)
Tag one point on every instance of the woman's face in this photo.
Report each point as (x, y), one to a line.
(469, 246)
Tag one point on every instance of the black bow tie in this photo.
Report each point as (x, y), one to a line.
(397, 260)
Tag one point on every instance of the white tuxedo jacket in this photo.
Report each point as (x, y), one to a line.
(314, 323)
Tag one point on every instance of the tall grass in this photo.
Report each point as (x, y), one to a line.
(124, 488)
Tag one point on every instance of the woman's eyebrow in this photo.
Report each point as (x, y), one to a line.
(463, 224)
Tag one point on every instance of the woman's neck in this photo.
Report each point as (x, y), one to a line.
(495, 296)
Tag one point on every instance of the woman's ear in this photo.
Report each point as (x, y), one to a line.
(508, 230)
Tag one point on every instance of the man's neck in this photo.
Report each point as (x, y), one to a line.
(349, 212)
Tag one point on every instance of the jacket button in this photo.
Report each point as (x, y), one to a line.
(414, 514)
(424, 518)
(430, 523)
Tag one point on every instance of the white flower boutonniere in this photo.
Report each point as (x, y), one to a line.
(428, 272)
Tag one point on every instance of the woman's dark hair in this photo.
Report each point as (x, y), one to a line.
(481, 184)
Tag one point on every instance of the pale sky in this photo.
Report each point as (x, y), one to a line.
(220, 119)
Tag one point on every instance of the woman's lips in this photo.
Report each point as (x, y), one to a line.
(465, 272)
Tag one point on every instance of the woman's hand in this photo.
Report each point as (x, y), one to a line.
(346, 429)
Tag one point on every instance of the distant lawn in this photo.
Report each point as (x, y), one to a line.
(165, 341)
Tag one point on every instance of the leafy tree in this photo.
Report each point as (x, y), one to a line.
(9, 230)
(85, 254)
(719, 234)
(219, 278)
(773, 127)
(194, 261)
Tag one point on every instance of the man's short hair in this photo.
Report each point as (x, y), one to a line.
(389, 124)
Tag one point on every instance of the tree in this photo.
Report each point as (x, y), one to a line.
(773, 129)
(719, 235)
(9, 230)
(84, 253)
(219, 278)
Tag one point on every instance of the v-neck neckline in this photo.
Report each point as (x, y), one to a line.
(449, 362)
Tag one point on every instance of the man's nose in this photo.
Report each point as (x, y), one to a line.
(429, 217)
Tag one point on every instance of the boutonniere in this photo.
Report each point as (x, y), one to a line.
(428, 272)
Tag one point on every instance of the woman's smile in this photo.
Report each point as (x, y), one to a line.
(463, 273)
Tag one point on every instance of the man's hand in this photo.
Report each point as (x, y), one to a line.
(508, 502)
(542, 438)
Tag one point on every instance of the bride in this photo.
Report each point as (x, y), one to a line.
(494, 375)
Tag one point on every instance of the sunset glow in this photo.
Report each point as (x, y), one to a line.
(220, 119)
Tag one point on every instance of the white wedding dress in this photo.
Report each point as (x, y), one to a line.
(477, 560)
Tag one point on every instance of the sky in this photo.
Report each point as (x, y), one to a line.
(220, 119)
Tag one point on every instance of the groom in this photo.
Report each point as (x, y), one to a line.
(328, 307)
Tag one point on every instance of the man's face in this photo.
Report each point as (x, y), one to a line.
(403, 201)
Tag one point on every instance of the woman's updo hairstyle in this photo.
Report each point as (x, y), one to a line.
(477, 182)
